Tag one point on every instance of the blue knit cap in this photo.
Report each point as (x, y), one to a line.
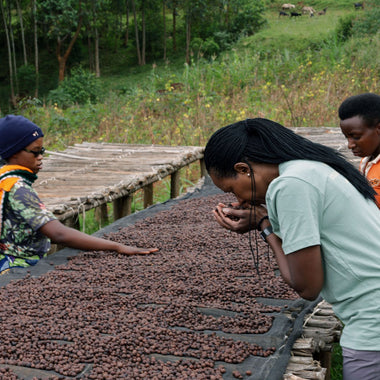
(16, 132)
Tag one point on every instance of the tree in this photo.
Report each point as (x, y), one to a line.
(64, 21)
(148, 28)
(36, 56)
(19, 12)
(195, 10)
(164, 22)
(7, 29)
(94, 8)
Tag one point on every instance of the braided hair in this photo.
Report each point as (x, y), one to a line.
(265, 141)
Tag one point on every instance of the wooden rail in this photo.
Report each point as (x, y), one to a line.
(90, 175)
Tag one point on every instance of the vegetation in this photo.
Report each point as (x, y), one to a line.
(294, 70)
(51, 37)
(173, 71)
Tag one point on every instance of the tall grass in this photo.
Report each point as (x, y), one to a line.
(293, 89)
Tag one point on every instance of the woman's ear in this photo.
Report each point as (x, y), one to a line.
(242, 168)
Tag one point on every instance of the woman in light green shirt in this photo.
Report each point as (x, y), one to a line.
(318, 214)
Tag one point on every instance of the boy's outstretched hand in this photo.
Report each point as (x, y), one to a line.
(129, 250)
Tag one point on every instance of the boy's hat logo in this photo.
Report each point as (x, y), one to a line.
(35, 134)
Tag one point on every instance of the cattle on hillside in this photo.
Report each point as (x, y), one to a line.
(306, 10)
(285, 7)
(282, 13)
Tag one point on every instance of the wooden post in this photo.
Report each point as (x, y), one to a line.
(148, 195)
(203, 167)
(122, 207)
(325, 358)
(101, 214)
(73, 222)
(175, 184)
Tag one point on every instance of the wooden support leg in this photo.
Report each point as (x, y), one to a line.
(203, 167)
(72, 222)
(122, 207)
(175, 184)
(148, 195)
(101, 214)
(325, 358)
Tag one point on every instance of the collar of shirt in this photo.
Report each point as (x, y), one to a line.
(366, 164)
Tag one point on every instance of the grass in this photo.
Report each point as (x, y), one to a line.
(336, 363)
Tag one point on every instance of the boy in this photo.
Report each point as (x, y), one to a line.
(360, 123)
(26, 226)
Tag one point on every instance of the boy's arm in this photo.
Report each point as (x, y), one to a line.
(61, 234)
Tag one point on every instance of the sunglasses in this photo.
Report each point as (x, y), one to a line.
(36, 153)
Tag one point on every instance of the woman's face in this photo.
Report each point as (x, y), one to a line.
(26, 158)
(361, 139)
(248, 186)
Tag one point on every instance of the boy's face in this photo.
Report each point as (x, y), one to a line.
(30, 157)
(362, 140)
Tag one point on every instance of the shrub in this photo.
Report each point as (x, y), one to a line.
(81, 87)
(343, 30)
(368, 24)
(26, 76)
(205, 48)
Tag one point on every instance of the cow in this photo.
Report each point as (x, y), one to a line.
(285, 7)
(359, 5)
(295, 14)
(322, 12)
(307, 10)
(281, 13)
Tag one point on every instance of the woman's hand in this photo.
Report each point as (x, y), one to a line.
(61, 234)
(239, 220)
(129, 250)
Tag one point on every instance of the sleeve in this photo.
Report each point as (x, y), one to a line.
(294, 211)
(28, 207)
(374, 179)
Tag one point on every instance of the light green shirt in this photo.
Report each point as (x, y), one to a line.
(311, 204)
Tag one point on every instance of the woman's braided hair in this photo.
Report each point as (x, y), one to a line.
(265, 141)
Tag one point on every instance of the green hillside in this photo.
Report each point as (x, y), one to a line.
(296, 70)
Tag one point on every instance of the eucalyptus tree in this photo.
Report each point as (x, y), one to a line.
(36, 53)
(7, 30)
(173, 5)
(195, 12)
(63, 19)
(93, 22)
(20, 17)
(145, 15)
(164, 24)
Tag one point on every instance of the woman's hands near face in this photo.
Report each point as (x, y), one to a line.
(238, 220)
